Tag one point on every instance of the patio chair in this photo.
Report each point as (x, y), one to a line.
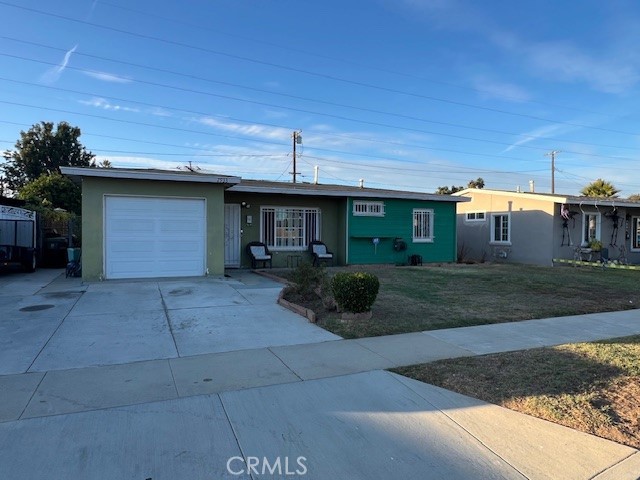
(258, 252)
(320, 253)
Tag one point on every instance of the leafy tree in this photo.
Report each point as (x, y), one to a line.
(448, 191)
(600, 189)
(41, 150)
(477, 183)
(104, 164)
(53, 191)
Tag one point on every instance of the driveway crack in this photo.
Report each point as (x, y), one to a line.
(166, 314)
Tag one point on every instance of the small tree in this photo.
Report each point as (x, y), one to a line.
(53, 191)
(42, 150)
(448, 191)
(600, 189)
(477, 183)
(635, 197)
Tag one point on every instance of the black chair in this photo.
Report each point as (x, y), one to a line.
(320, 253)
(258, 252)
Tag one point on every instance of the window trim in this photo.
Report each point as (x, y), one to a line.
(585, 241)
(492, 229)
(635, 232)
(369, 210)
(305, 241)
(414, 220)
(475, 219)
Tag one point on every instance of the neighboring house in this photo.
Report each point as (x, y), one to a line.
(152, 223)
(535, 228)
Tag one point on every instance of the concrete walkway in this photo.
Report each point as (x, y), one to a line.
(184, 417)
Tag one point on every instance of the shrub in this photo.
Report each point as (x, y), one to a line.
(307, 278)
(355, 292)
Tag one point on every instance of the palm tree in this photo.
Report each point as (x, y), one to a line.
(600, 189)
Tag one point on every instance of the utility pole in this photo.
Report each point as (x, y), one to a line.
(297, 140)
(553, 154)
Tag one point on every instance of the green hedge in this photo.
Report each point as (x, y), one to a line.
(355, 292)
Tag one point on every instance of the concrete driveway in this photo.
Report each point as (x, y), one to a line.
(208, 378)
(49, 322)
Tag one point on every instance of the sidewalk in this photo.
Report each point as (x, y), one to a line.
(65, 391)
(329, 402)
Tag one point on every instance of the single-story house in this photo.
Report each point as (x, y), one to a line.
(140, 223)
(536, 228)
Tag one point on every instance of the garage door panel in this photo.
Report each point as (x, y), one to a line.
(154, 237)
(140, 247)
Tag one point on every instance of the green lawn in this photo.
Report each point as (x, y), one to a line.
(433, 297)
(592, 387)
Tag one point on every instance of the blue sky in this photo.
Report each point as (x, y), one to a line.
(407, 94)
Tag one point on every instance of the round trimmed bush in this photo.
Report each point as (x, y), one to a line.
(355, 292)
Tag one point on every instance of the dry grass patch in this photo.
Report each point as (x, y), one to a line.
(444, 296)
(591, 387)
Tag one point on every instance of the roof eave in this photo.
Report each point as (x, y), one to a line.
(80, 172)
(344, 193)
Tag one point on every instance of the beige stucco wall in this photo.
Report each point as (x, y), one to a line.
(94, 191)
(532, 227)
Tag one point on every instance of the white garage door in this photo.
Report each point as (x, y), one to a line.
(154, 237)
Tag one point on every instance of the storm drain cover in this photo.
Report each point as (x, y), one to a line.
(36, 308)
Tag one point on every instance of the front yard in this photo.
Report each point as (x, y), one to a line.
(444, 296)
(591, 387)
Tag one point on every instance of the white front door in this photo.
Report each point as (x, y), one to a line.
(232, 235)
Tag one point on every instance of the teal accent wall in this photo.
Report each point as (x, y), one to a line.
(398, 222)
(93, 193)
(332, 228)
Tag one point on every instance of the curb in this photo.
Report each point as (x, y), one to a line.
(305, 312)
(295, 308)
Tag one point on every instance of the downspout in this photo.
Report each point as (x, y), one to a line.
(346, 234)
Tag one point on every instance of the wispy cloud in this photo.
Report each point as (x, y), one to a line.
(251, 130)
(160, 112)
(543, 132)
(612, 67)
(54, 73)
(107, 77)
(492, 89)
(608, 72)
(105, 105)
(139, 162)
(94, 4)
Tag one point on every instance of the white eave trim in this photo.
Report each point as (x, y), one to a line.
(346, 193)
(149, 175)
(593, 202)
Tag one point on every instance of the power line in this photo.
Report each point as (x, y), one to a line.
(341, 117)
(334, 104)
(302, 71)
(262, 42)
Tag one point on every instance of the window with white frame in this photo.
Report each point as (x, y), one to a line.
(635, 233)
(590, 227)
(501, 228)
(289, 228)
(422, 225)
(476, 216)
(368, 209)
